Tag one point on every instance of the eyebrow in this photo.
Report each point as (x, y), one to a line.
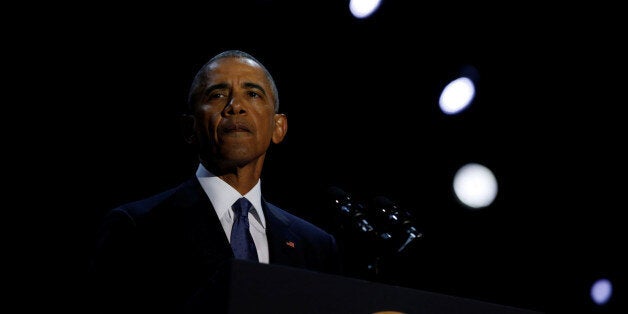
(215, 87)
(225, 85)
(256, 86)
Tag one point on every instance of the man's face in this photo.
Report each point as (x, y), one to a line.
(234, 117)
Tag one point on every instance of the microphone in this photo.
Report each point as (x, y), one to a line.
(371, 231)
(394, 223)
(352, 213)
(381, 223)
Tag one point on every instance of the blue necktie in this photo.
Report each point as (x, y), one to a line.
(241, 241)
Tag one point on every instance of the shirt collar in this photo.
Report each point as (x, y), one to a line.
(222, 195)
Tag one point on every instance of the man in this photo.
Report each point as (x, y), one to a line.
(166, 252)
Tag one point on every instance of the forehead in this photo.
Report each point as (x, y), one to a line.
(227, 69)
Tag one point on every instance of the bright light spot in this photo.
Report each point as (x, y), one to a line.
(363, 8)
(475, 185)
(457, 95)
(601, 291)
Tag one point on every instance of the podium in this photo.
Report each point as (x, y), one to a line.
(264, 288)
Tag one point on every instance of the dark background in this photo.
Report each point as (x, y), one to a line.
(99, 90)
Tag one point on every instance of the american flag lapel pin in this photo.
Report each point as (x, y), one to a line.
(290, 244)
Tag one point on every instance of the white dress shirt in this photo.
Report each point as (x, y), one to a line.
(222, 196)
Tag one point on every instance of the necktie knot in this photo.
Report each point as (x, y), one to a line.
(241, 208)
(241, 240)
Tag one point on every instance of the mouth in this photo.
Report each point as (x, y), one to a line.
(237, 127)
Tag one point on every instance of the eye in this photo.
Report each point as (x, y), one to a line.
(253, 94)
(215, 95)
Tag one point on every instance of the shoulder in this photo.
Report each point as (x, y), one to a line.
(295, 223)
(174, 197)
(141, 207)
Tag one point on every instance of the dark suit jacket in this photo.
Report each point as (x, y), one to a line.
(165, 253)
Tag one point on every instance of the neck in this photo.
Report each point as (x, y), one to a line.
(243, 179)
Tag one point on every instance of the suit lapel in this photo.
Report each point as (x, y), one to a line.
(203, 226)
(283, 245)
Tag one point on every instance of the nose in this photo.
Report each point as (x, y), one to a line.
(234, 107)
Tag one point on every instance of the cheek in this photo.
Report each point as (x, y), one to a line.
(207, 129)
(207, 120)
(272, 126)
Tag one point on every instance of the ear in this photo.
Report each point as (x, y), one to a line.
(188, 128)
(281, 127)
